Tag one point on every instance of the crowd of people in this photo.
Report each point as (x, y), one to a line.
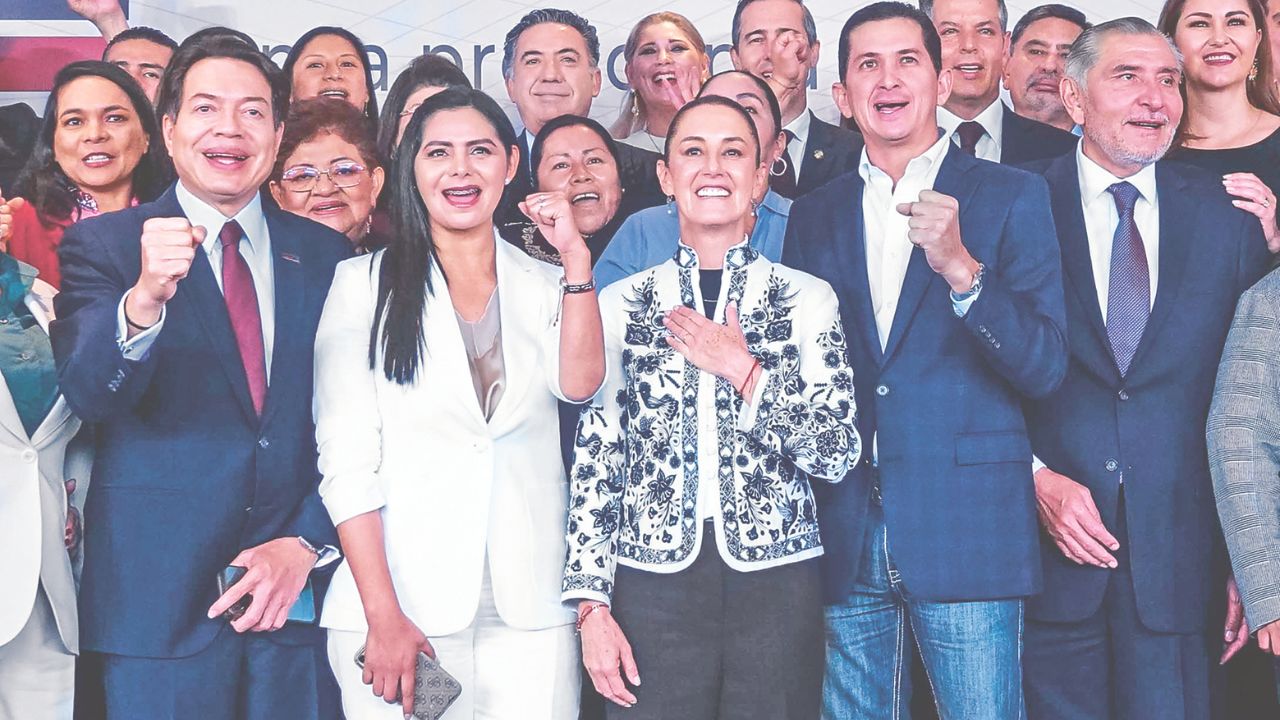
(308, 399)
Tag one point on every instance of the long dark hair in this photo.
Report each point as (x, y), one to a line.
(44, 183)
(404, 280)
(295, 52)
(429, 70)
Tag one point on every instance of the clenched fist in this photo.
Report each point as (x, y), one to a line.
(934, 227)
(168, 249)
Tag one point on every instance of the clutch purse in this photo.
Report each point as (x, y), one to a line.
(434, 689)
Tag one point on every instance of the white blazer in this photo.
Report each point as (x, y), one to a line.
(452, 488)
(33, 506)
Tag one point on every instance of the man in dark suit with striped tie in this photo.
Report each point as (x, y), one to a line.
(1130, 622)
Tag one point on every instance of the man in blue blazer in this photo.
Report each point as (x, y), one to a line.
(185, 331)
(1130, 621)
(935, 535)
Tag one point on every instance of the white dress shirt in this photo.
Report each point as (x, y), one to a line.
(255, 248)
(1101, 219)
(885, 229)
(991, 119)
(796, 148)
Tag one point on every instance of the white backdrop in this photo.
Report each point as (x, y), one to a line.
(471, 31)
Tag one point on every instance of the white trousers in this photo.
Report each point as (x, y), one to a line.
(37, 674)
(505, 673)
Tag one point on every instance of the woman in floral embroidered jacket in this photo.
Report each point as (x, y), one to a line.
(692, 532)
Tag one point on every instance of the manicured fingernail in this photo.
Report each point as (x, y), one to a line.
(1230, 635)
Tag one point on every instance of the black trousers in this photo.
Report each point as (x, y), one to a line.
(713, 643)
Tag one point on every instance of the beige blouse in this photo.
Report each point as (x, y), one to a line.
(483, 341)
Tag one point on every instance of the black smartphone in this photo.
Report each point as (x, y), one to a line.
(230, 575)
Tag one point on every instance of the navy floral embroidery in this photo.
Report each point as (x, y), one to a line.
(635, 479)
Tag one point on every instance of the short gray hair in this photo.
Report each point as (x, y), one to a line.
(1087, 48)
(927, 7)
(549, 15)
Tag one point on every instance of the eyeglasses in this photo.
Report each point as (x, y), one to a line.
(303, 178)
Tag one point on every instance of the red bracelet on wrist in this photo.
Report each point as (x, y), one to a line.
(585, 612)
(755, 365)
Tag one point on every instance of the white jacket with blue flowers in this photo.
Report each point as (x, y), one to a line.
(637, 466)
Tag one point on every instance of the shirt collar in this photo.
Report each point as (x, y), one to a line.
(776, 203)
(926, 163)
(800, 127)
(737, 257)
(252, 221)
(991, 119)
(1094, 179)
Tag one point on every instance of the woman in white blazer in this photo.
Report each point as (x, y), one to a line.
(439, 361)
(39, 528)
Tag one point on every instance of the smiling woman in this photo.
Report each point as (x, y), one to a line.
(98, 151)
(327, 168)
(330, 62)
(1232, 120)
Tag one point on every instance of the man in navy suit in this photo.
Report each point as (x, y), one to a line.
(1130, 621)
(777, 40)
(951, 295)
(185, 331)
(975, 47)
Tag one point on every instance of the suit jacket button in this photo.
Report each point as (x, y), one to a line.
(1123, 395)
(263, 443)
(28, 455)
(1112, 465)
(882, 390)
(249, 509)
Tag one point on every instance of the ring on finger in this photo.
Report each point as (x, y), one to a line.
(1266, 202)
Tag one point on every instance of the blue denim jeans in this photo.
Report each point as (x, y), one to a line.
(972, 651)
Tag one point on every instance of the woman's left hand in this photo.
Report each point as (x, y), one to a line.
(717, 349)
(1254, 197)
(551, 212)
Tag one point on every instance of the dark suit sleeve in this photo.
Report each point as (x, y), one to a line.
(1255, 258)
(1019, 319)
(93, 373)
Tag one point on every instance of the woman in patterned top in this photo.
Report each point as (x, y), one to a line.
(692, 533)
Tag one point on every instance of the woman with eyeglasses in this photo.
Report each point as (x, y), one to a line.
(328, 170)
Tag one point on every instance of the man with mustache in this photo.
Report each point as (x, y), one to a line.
(1033, 70)
(974, 47)
(185, 331)
(950, 294)
(551, 63)
(777, 40)
(1130, 622)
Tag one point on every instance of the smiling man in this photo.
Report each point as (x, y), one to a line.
(185, 330)
(551, 64)
(1130, 623)
(1037, 54)
(974, 48)
(951, 292)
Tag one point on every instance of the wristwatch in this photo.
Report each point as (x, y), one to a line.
(974, 289)
(572, 289)
(323, 555)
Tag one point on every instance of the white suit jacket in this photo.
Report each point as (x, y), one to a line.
(33, 506)
(451, 487)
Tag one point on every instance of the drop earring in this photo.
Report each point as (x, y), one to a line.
(671, 204)
(1253, 71)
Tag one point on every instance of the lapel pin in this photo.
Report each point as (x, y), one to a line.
(291, 258)
(818, 154)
